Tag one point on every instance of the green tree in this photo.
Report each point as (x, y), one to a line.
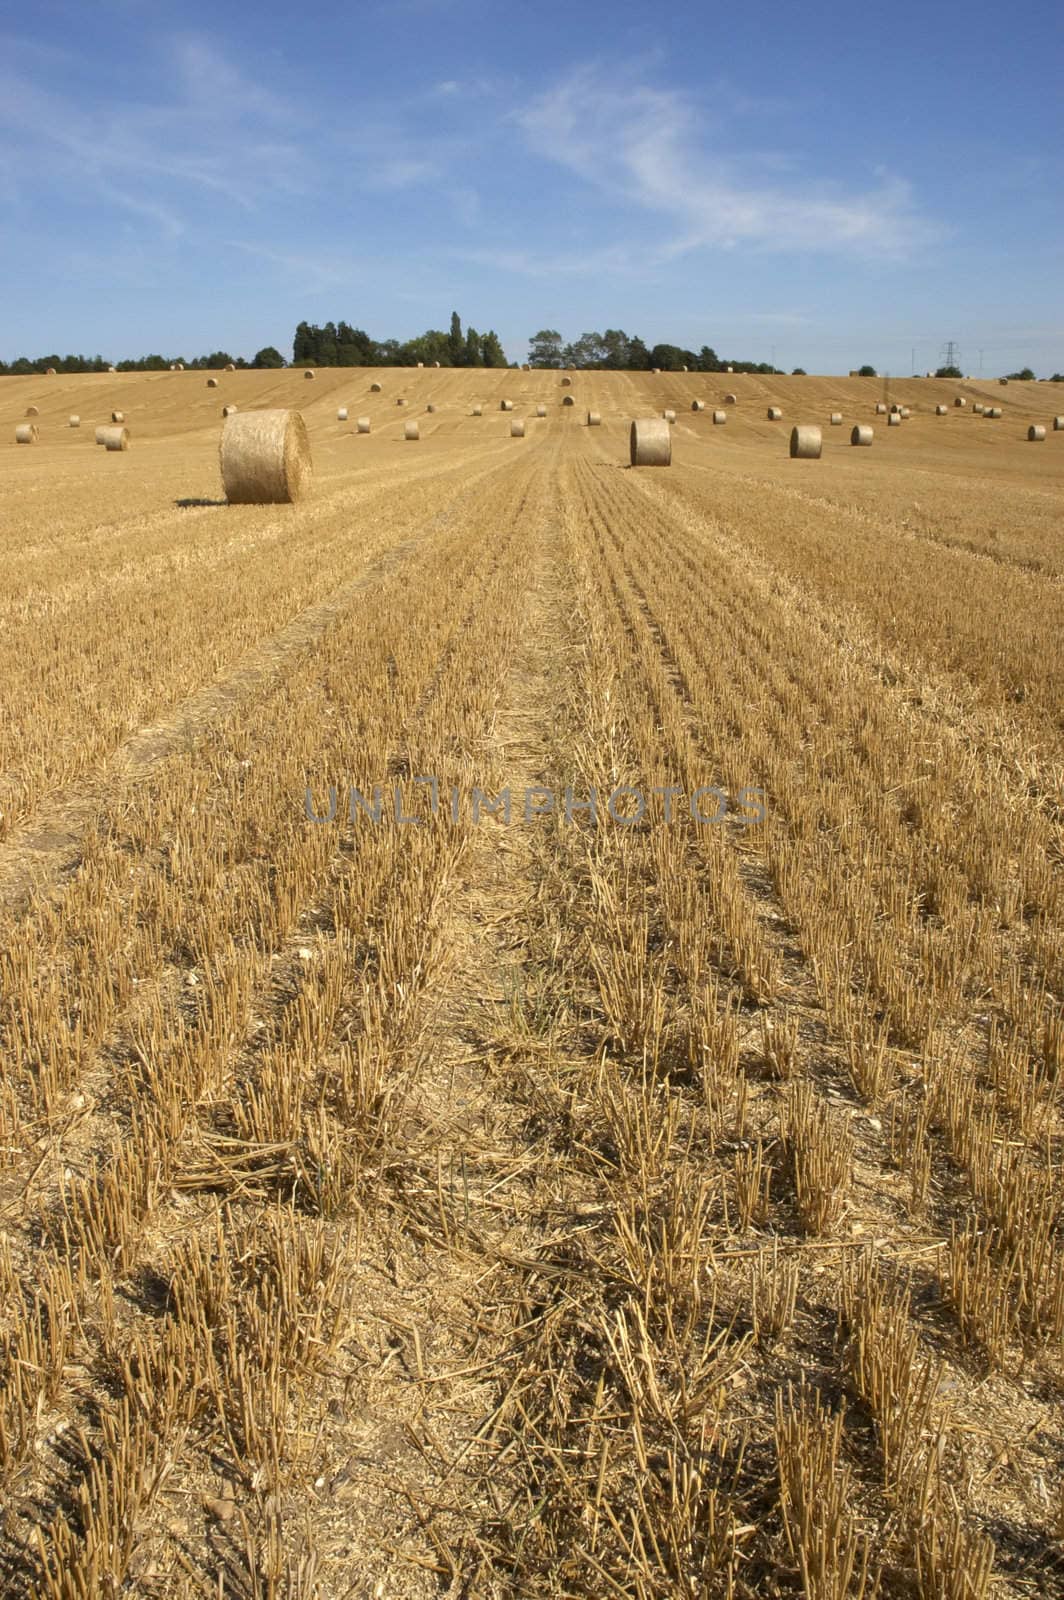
(1026, 376)
(455, 342)
(545, 348)
(799, 372)
(492, 351)
(866, 372)
(949, 372)
(472, 354)
(268, 357)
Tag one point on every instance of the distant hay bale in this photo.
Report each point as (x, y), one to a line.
(1004, 382)
(32, 411)
(594, 419)
(229, 367)
(400, 401)
(50, 373)
(993, 411)
(698, 405)
(959, 400)
(657, 372)
(506, 405)
(836, 419)
(26, 433)
(308, 374)
(541, 411)
(227, 411)
(729, 369)
(341, 415)
(431, 406)
(478, 411)
(719, 418)
(517, 427)
(115, 438)
(265, 458)
(100, 434)
(977, 409)
(942, 411)
(435, 363)
(363, 424)
(880, 408)
(1058, 424)
(567, 400)
(112, 369)
(180, 367)
(74, 422)
(895, 406)
(669, 416)
(650, 443)
(806, 443)
(730, 400)
(683, 369)
(374, 387)
(774, 413)
(118, 416)
(894, 420)
(420, 366)
(566, 382)
(1036, 431)
(906, 413)
(212, 383)
(411, 431)
(862, 434)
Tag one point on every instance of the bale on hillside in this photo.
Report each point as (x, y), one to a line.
(894, 420)
(1058, 424)
(341, 415)
(698, 405)
(118, 416)
(506, 405)
(26, 433)
(541, 411)
(112, 369)
(1003, 382)
(977, 409)
(32, 411)
(308, 373)
(363, 424)
(411, 431)
(566, 382)
(880, 408)
(50, 372)
(1036, 431)
(657, 372)
(374, 388)
(567, 400)
(806, 443)
(730, 400)
(212, 383)
(517, 427)
(435, 363)
(942, 411)
(478, 411)
(115, 438)
(594, 419)
(227, 411)
(420, 366)
(774, 413)
(650, 443)
(836, 419)
(683, 369)
(400, 401)
(265, 458)
(959, 400)
(905, 413)
(895, 406)
(862, 434)
(100, 434)
(74, 422)
(230, 366)
(719, 418)
(430, 406)
(669, 416)
(180, 367)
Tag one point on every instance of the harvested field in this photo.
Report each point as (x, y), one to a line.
(402, 1199)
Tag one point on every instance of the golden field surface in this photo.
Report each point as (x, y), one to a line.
(566, 1206)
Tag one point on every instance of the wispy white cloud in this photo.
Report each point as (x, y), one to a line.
(655, 149)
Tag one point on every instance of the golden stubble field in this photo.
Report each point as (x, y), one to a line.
(556, 1207)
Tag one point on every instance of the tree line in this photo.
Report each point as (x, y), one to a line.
(614, 349)
(23, 365)
(337, 344)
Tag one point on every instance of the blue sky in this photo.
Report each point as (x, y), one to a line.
(821, 185)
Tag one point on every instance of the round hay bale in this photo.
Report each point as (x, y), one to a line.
(977, 409)
(1004, 382)
(118, 416)
(541, 411)
(836, 419)
(74, 422)
(1036, 431)
(431, 406)
(26, 433)
(115, 438)
(895, 406)
(880, 408)
(374, 388)
(173, 367)
(265, 458)
(227, 411)
(683, 369)
(730, 400)
(774, 413)
(180, 367)
(566, 383)
(719, 418)
(669, 416)
(212, 383)
(50, 373)
(698, 405)
(650, 443)
(411, 431)
(806, 443)
(594, 419)
(942, 411)
(435, 363)
(993, 411)
(32, 411)
(363, 425)
(729, 369)
(959, 400)
(517, 427)
(420, 366)
(862, 434)
(230, 366)
(905, 413)
(1058, 424)
(341, 415)
(112, 369)
(894, 420)
(478, 411)
(308, 374)
(100, 434)
(567, 400)
(506, 405)
(657, 372)
(400, 401)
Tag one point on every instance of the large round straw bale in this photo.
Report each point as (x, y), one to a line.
(180, 367)
(567, 400)
(905, 413)
(411, 431)
(32, 411)
(719, 418)
(308, 373)
(517, 427)
(230, 366)
(594, 419)
(698, 405)
(506, 405)
(977, 409)
(265, 458)
(992, 411)
(730, 400)
(227, 411)
(431, 406)
(942, 411)
(1036, 431)
(435, 363)
(774, 413)
(478, 411)
(26, 433)
(374, 387)
(1003, 382)
(650, 443)
(363, 424)
(657, 372)
(1058, 424)
(74, 422)
(115, 438)
(118, 416)
(669, 416)
(862, 434)
(959, 400)
(894, 420)
(50, 373)
(100, 432)
(212, 383)
(806, 443)
(895, 406)
(566, 383)
(341, 415)
(836, 419)
(683, 369)
(541, 411)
